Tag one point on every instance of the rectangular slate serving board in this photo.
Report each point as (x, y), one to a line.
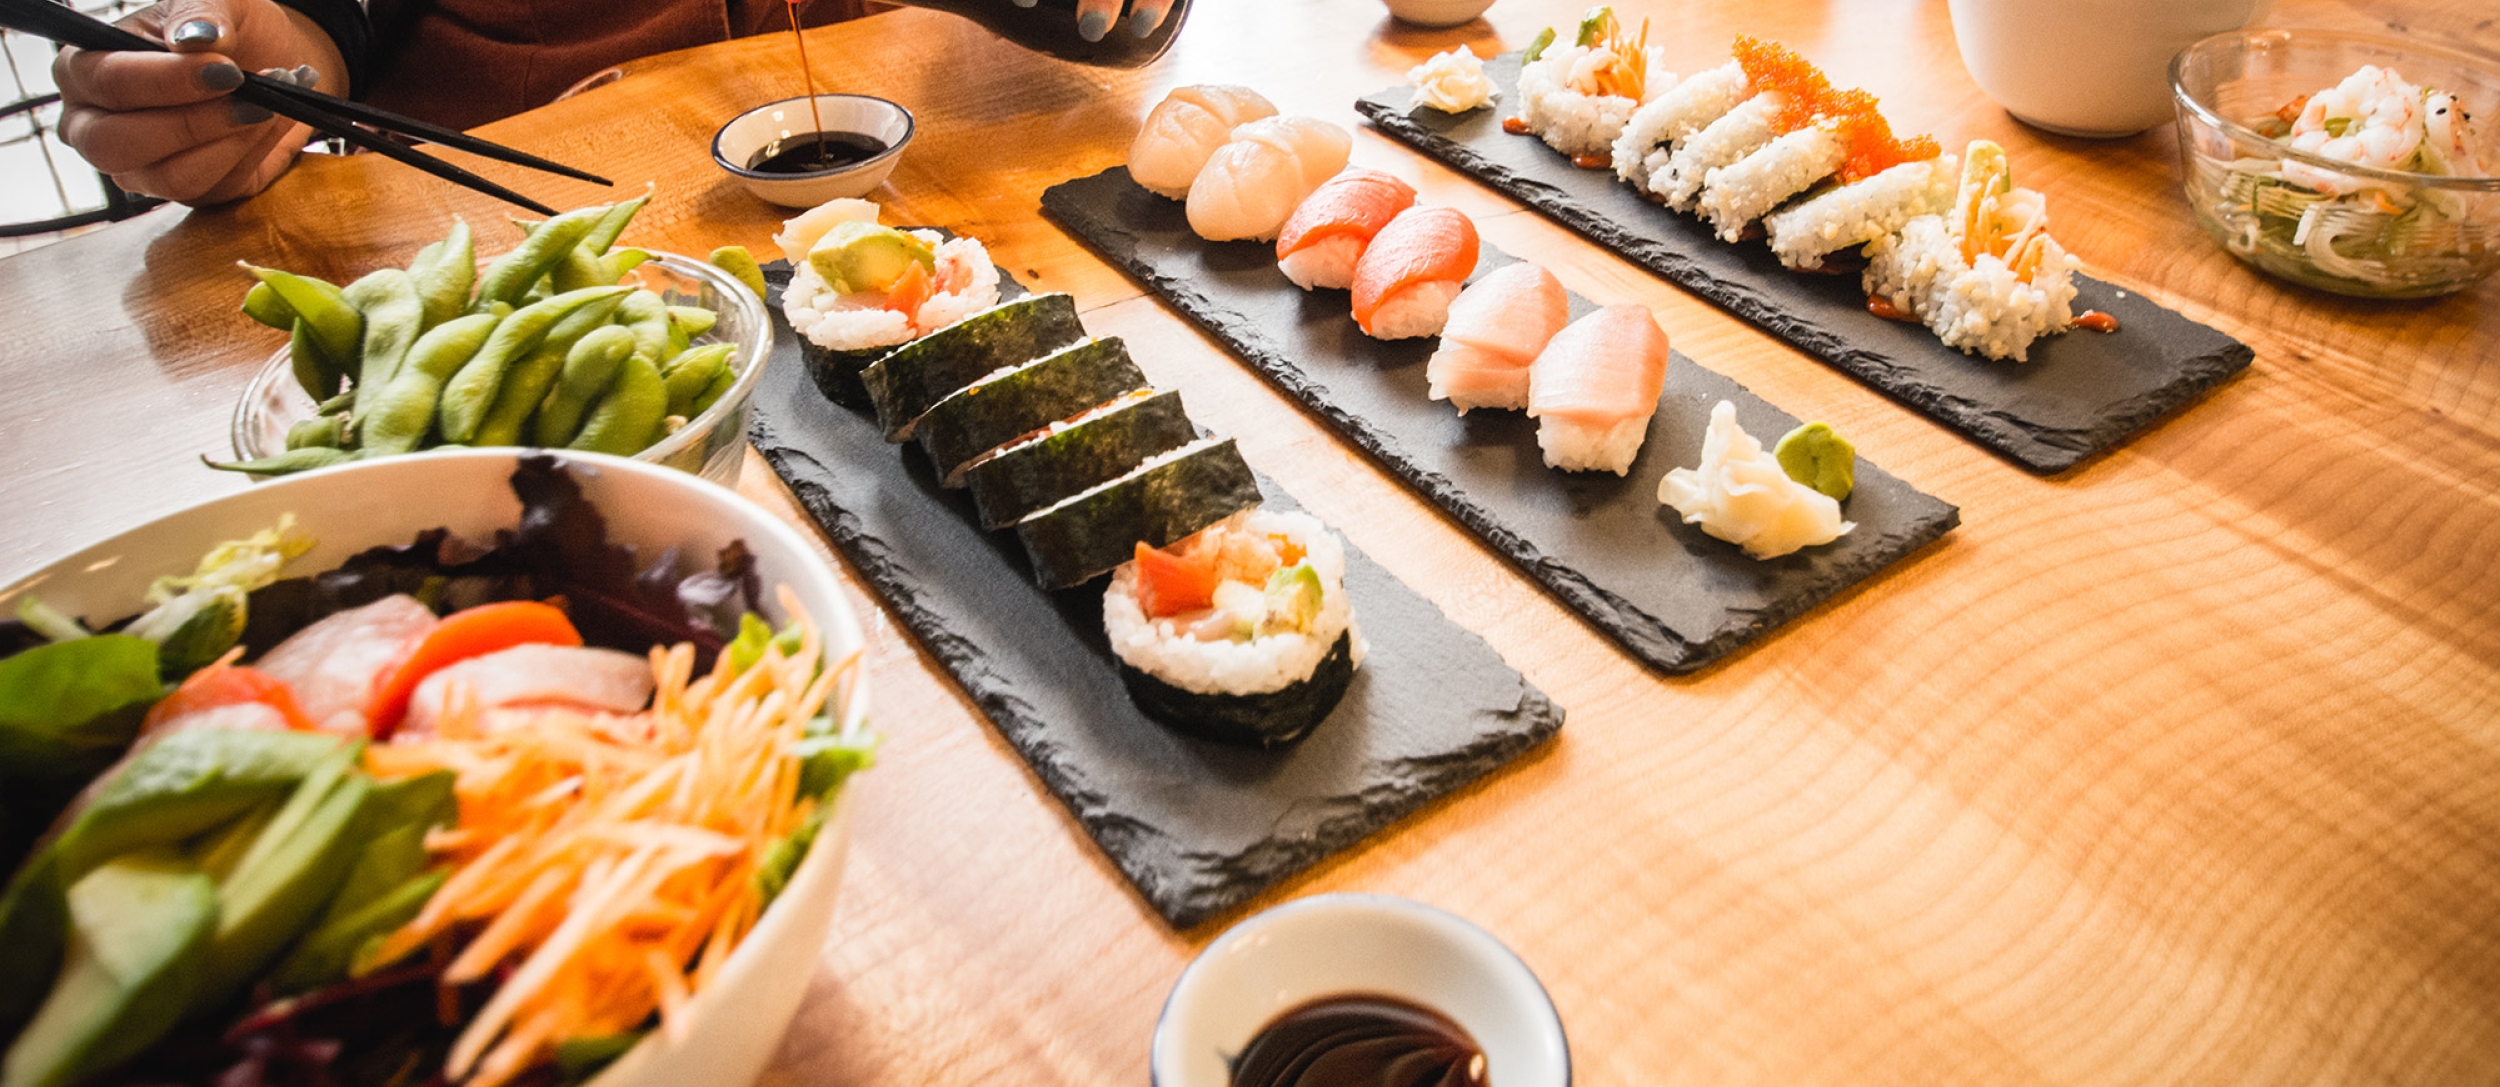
(1666, 592)
(2080, 393)
(1197, 827)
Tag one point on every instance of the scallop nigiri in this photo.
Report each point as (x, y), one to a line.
(1326, 235)
(1411, 272)
(1251, 185)
(1497, 327)
(1184, 129)
(1593, 389)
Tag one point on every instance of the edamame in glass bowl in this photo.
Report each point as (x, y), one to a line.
(2349, 163)
(710, 442)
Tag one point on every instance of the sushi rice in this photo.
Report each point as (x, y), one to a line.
(1979, 306)
(1169, 650)
(855, 322)
(1735, 195)
(1726, 140)
(1663, 123)
(1853, 215)
(1564, 116)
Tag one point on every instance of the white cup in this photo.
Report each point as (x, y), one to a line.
(2097, 68)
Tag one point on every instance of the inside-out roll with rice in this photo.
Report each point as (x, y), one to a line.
(1241, 633)
(1985, 278)
(1663, 123)
(858, 289)
(1578, 97)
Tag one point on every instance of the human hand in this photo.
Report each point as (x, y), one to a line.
(167, 124)
(1094, 17)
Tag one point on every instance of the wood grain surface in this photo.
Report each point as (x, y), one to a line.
(2182, 767)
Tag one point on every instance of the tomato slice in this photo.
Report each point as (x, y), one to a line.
(462, 635)
(225, 684)
(1169, 584)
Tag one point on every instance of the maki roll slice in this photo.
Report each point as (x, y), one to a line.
(1165, 499)
(1242, 633)
(1009, 404)
(905, 384)
(857, 289)
(1079, 454)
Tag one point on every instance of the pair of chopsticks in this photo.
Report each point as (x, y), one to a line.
(354, 122)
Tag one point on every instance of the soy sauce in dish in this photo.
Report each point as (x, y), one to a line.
(807, 153)
(1360, 1040)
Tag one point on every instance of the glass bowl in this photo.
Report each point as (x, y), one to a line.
(2382, 233)
(711, 445)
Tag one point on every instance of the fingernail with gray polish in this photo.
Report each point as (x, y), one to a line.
(246, 113)
(1026, 3)
(196, 32)
(305, 76)
(221, 76)
(1093, 26)
(1142, 22)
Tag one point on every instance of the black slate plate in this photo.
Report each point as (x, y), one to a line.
(2079, 394)
(1197, 827)
(1672, 596)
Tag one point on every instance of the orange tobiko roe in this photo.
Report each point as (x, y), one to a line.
(1811, 100)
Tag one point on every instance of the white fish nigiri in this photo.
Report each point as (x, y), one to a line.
(1741, 494)
(1185, 128)
(1251, 185)
(1496, 329)
(1593, 389)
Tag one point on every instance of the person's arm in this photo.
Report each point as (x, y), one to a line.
(167, 125)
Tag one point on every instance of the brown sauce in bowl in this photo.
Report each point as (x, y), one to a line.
(814, 152)
(1360, 1040)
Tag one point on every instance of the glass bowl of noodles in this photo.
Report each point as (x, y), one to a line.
(2349, 163)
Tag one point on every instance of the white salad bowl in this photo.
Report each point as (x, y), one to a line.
(731, 1026)
(748, 133)
(1335, 944)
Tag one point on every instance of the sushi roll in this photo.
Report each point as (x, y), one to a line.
(858, 289)
(1242, 633)
(1412, 270)
(1251, 185)
(1165, 498)
(1578, 97)
(1497, 327)
(1854, 214)
(1663, 123)
(1986, 278)
(1325, 236)
(1734, 195)
(1594, 388)
(1737, 133)
(1077, 455)
(910, 380)
(1009, 404)
(1184, 129)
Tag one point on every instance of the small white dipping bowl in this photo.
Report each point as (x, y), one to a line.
(752, 131)
(1437, 13)
(1357, 943)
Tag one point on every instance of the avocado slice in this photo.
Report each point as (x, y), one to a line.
(1599, 22)
(856, 256)
(139, 927)
(385, 886)
(282, 883)
(185, 784)
(334, 950)
(33, 915)
(1293, 598)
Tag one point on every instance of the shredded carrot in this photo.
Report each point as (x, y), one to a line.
(606, 865)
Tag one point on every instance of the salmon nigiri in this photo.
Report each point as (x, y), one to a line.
(1184, 129)
(1497, 327)
(1326, 235)
(1411, 271)
(1594, 388)
(1252, 183)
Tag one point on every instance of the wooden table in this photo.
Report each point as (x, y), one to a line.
(2182, 767)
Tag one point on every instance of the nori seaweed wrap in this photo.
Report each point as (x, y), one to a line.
(914, 377)
(1096, 449)
(1171, 497)
(1004, 407)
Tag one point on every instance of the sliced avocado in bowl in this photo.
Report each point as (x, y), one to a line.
(139, 930)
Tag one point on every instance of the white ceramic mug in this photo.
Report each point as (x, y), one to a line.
(2096, 68)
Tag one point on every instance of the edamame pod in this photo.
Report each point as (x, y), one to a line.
(320, 430)
(393, 317)
(289, 462)
(611, 226)
(523, 388)
(695, 320)
(721, 382)
(589, 368)
(620, 261)
(335, 325)
(511, 276)
(626, 419)
(337, 405)
(443, 283)
(577, 270)
(470, 393)
(262, 304)
(735, 260)
(313, 370)
(396, 419)
(689, 374)
(646, 314)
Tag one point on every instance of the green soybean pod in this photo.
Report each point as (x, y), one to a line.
(445, 281)
(337, 405)
(694, 319)
(611, 225)
(470, 393)
(721, 382)
(523, 388)
(689, 374)
(395, 419)
(735, 260)
(394, 315)
(579, 269)
(511, 276)
(620, 261)
(646, 314)
(320, 430)
(291, 461)
(262, 304)
(313, 369)
(628, 416)
(589, 368)
(335, 324)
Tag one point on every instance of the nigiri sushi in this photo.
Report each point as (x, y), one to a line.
(1496, 328)
(1594, 387)
(1326, 235)
(1251, 185)
(1411, 272)
(1184, 129)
